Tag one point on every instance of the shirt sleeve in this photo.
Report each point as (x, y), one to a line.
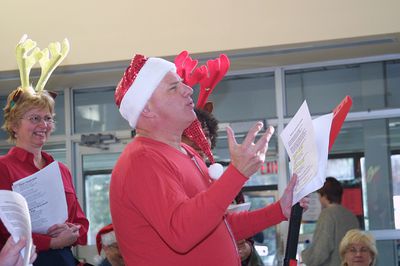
(248, 223)
(181, 221)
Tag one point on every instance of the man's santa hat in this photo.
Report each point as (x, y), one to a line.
(138, 83)
(105, 236)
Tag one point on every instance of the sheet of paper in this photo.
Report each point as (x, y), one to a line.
(298, 138)
(314, 208)
(315, 142)
(322, 128)
(15, 216)
(44, 192)
(239, 207)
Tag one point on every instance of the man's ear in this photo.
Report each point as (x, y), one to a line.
(209, 106)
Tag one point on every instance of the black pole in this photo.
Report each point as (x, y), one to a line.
(293, 235)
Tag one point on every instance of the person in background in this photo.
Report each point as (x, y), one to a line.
(333, 223)
(10, 254)
(358, 248)
(106, 241)
(29, 121)
(209, 124)
(165, 208)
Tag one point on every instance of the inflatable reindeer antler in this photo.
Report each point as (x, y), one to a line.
(26, 61)
(58, 53)
(28, 55)
(186, 69)
(215, 71)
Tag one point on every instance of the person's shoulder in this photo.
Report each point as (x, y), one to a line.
(7, 158)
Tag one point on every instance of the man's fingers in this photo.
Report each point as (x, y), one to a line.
(251, 135)
(231, 138)
(262, 143)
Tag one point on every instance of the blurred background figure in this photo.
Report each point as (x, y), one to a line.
(106, 242)
(333, 223)
(358, 248)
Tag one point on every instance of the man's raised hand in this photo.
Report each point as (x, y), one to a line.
(248, 157)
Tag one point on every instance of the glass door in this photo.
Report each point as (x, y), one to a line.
(93, 171)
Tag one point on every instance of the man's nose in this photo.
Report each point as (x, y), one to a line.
(186, 90)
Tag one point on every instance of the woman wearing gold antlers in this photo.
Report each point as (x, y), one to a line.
(29, 121)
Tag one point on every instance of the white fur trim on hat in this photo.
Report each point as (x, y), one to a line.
(108, 238)
(147, 80)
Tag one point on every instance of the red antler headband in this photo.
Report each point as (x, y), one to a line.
(208, 77)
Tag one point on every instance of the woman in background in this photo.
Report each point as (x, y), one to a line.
(358, 248)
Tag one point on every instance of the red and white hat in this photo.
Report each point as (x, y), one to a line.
(105, 236)
(138, 83)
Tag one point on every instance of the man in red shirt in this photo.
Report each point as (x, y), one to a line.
(166, 209)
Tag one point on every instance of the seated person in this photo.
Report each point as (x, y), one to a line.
(106, 241)
(358, 248)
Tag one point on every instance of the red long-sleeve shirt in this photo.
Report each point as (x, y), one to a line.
(17, 164)
(166, 211)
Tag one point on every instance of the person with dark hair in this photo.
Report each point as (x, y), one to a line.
(333, 223)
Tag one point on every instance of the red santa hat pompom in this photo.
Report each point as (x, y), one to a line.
(138, 83)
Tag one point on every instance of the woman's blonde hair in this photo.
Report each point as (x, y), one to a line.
(355, 236)
(19, 102)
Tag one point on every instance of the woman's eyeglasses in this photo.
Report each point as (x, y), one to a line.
(37, 119)
(354, 250)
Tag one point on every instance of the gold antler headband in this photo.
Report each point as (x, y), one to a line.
(28, 55)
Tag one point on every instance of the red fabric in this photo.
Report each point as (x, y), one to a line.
(215, 71)
(186, 69)
(166, 211)
(129, 76)
(17, 164)
(196, 134)
(339, 115)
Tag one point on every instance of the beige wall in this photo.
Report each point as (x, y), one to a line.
(102, 31)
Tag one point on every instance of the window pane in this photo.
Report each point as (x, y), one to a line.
(58, 152)
(393, 83)
(251, 96)
(95, 111)
(323, 88)
(60, 114)
(97, 173)
(3, 101)
(97, 203)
